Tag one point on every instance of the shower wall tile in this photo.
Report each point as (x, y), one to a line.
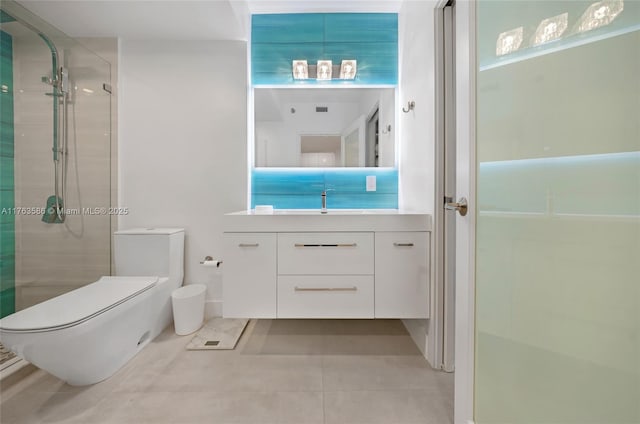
(7, 186)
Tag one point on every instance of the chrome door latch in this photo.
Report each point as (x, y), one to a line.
(460, 205)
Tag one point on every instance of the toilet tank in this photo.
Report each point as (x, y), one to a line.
(150, 251)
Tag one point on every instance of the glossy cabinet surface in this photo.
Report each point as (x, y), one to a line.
(305, 265)
(325, 253)
(325, 296)
(249, 284)
(402, 274)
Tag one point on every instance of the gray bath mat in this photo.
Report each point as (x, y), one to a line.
(218, 334)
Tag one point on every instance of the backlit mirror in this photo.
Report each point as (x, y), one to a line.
(324, 127)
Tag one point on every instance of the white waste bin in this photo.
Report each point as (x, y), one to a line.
(188, 308)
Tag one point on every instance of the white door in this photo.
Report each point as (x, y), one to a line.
(548, 154)
(465, 225)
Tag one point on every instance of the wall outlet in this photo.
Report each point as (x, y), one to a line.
(371, 183)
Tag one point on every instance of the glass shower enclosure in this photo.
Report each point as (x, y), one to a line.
(55, 152)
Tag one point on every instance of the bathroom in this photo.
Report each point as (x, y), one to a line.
(169, 147)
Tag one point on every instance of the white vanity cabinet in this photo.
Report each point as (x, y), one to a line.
(402, 274)
(249, 284)
(298, 264)
(326, 275)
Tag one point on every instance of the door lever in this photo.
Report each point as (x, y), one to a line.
(460, 205)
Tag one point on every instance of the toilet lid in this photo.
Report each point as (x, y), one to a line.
(78, 305)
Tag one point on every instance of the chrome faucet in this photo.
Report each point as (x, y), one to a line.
(324, 201)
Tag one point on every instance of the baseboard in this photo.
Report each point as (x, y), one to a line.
(417, 329)
(212, 308)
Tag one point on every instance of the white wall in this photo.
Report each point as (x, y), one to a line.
(183, 143)
(417, 161)
(417, 137)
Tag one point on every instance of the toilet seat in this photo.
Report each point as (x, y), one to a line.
(77, 306)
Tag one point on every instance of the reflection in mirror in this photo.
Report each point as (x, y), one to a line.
(324, 127)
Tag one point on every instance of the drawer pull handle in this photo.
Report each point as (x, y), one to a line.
(316, 289)
(326, 245)
(248, 245)
(403, 244)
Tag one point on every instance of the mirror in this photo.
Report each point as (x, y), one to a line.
(324, 127)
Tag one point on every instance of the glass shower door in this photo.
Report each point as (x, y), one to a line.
(558, 225)
(43, 257)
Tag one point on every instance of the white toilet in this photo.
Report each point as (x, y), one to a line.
(86, 335)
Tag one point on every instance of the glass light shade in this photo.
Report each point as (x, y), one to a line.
(509, 41)
(324, 70)
(300, 69)
(600, 14)
(551, 29)
(348, 69)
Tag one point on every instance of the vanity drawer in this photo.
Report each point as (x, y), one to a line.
(325, 253)
(318, 296)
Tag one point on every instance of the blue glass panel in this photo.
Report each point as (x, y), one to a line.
(370, 38)
(301, 188)
(368, 27)
(280, 182)
(288, 28)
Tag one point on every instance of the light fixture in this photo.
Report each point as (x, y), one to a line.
(551, 29)
(324, 70)
(300, 69)
(600, 14)
(509, 41)
(348, 69)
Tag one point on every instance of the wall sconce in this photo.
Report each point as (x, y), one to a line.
(551, 29)
(324, 70)
(600, 14)
(509, 41)
(300, 69)
(348, 69)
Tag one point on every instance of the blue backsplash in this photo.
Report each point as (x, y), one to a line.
(370, 38)
(346, 188)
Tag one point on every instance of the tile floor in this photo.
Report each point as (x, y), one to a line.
(282, 371)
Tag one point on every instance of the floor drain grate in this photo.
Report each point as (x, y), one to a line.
(212, 343)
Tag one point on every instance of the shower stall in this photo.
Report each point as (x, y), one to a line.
(55, 152)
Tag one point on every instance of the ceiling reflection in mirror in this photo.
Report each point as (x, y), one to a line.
(327, 127)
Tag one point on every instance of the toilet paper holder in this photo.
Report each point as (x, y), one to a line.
(209, 261)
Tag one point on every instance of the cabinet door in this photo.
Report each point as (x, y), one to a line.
(249, 281)
(402, 275)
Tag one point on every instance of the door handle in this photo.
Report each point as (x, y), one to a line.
(460, 205)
